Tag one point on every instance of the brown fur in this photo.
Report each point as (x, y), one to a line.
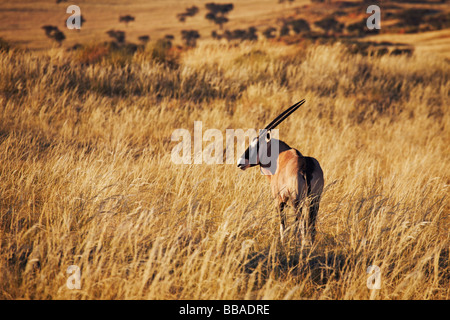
(296, 180)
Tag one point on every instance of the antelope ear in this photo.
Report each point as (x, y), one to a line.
(268, 136)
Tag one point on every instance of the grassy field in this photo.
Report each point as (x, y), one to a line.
(86, 176)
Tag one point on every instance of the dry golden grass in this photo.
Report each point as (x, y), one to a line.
(86, 176)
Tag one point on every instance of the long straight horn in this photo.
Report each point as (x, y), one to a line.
(282, 116)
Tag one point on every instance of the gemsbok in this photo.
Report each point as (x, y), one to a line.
(294, 179)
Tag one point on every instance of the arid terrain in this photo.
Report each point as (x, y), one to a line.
(87, 178)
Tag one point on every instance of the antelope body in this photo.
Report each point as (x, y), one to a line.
(294, 179)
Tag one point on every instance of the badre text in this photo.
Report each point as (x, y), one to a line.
(231, 309)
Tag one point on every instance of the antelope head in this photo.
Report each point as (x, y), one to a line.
(255, 152)
(263, 149)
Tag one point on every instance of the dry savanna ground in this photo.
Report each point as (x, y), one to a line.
(21, 20)
(154, 18)
(86, 176)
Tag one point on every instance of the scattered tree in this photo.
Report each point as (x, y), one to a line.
(168, 38)
(300, 25)
(269, 32)
(284, 31)
(144, 39)
(414, 16)
(399, 51)
(117, 35)
(217, 13)
(59, 37)
(82, 20)
(215, 35)
(189, 12)
(49, 29)
(440, 21)
(251, 34)
(237, 34)
(360, 28)
(126, 19)
(241, 34)
(192, 11)
(190, 37)
(54, 33)
(329, 24)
